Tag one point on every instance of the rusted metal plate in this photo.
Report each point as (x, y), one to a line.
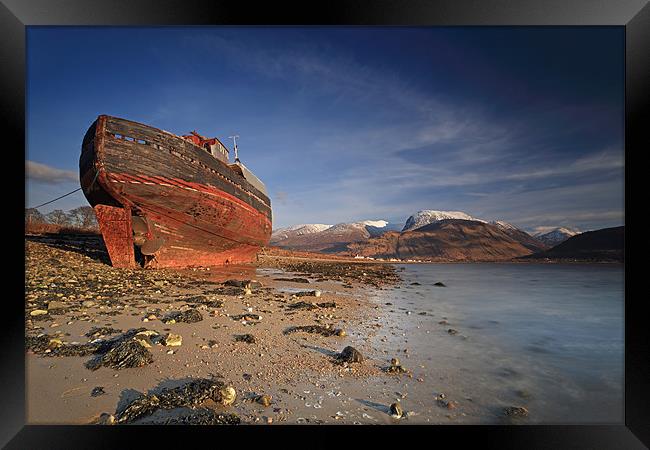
(115, 226)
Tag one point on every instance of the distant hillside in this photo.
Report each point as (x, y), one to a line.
(600, 245)
(555, 236)
(327, 238)
(530, 242)
(427, 216)
(450, 240)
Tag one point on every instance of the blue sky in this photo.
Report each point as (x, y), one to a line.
(350, 123)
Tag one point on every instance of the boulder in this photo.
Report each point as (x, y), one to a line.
(350, 355)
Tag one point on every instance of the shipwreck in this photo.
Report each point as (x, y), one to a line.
(164, 200)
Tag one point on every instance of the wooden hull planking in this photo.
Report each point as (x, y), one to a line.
(196, 209)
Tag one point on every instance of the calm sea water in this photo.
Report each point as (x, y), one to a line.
(549, 337)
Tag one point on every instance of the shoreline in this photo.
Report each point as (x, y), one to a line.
(286, 254)
(291, 355)
(508, 261)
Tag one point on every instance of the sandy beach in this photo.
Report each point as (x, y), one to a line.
(302, 338)
(71, 281)
(167, 344)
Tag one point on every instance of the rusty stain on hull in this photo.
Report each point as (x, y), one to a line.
(115, 226)
(194, 209)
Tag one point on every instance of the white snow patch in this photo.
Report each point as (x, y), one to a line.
(556, 232)
(504, 225)
(427, 216)
(375, 223)
(300, 230)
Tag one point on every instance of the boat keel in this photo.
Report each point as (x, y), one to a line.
(115, 226)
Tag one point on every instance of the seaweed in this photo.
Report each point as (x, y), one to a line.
(326, 331)
(189, 394)
(203, 300)
(48, 346)
(315, 293)
(188, 316)
(97, 391)
(251, 284)
(293, 280)
(248, 338)
(327, 305)
(204, 416)
(127, 354)
(311, 306)
(302, 305)
(98, 331)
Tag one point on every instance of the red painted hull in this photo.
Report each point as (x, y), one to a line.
(197, 209)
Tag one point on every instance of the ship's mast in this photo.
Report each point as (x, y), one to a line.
(234, 140)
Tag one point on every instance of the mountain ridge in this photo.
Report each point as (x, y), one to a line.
(426, 235)
(606, 244)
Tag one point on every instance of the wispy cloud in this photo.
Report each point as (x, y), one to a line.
(47, 174)
(413, 149)
(604, 160)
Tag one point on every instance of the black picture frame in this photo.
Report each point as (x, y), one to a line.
(634, 15)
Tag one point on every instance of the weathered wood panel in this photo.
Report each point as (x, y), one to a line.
(203, 211)
(215, 215)
(126, 157)
(188, 151)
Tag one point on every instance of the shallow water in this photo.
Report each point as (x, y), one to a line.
(547, 337)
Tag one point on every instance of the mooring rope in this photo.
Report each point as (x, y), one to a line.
(65, 195)
(58, 198)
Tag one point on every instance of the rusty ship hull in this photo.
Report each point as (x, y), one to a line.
(162, 201)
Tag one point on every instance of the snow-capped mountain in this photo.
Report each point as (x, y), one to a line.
(457, 239)
(555, 236)
(327, 238)
(504, 225)
(375, 223)
(299, 230)
(427, 216)
(606, 244)
(454, 235)
(525, 239)
(345, 227)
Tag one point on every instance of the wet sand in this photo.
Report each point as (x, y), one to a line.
(297, 369)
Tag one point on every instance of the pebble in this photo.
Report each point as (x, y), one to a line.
(173, 340)
(515, 411)
(264, 400)
(396, 410)
(106, 419)
(228, 395)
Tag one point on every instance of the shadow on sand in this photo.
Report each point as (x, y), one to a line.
(85, 244)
